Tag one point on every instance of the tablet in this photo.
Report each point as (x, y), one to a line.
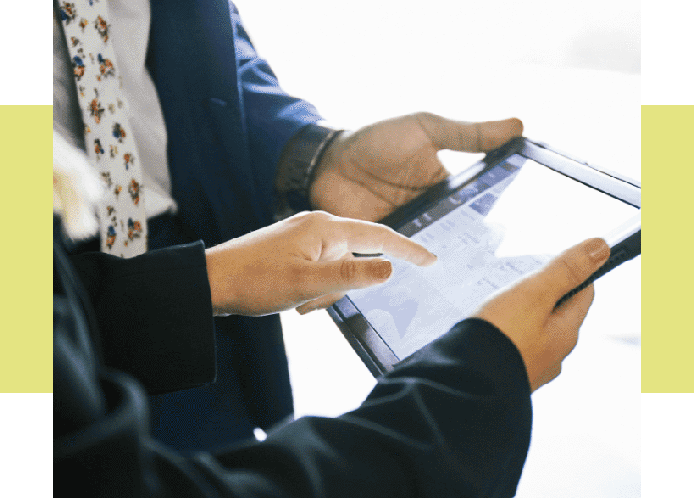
(501, 219)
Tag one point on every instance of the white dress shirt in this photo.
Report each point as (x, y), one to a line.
(129, 22)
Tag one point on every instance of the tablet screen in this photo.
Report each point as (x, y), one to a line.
(509, 222)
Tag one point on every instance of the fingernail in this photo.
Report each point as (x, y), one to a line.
(382, 270)
(428, 259)
(598, 250)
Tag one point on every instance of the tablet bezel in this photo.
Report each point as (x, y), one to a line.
(368, 344)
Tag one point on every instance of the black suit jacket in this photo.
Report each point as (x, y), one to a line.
(452, 420)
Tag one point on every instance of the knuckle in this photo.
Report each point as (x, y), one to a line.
(425, 119)
(348, 270)
(391, 232)
(424, 115)
(317, 218)
(310, 217)
(296, 219)
(320, 215)
(302, 215)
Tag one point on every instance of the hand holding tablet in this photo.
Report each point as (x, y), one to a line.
(527, 313)
(497, 222)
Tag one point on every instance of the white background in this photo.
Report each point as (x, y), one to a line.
(457, 72)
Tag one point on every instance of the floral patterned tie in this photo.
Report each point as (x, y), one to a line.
(108, 138)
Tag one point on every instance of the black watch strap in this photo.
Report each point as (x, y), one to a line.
(298, 164)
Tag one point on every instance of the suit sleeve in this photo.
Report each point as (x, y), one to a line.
(453, 420)
(154, 315)
(272, 116)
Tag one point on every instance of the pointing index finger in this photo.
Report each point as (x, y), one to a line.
(367, 238)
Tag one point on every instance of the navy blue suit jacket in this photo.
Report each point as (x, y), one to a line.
(227, 121)
(226, 116)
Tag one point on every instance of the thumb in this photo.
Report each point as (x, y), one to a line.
(571, 268)
(467, 136)
(346, 274)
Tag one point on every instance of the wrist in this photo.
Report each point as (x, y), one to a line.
(221, 289)
(321, 193)
(299, 164)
